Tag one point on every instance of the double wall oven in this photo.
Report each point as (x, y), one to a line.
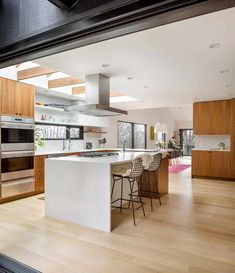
(17, 155)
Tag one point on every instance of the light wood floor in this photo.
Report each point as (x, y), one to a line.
(193, 231)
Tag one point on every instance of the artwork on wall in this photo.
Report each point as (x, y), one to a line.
(151, 132)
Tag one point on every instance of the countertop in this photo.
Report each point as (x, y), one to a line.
(121, 157)
(61, 152)
(56, 152)
(210, 150)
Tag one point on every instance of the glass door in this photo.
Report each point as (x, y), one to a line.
(187, 141)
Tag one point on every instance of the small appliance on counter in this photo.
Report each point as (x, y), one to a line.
(88, 145)
(17, 155)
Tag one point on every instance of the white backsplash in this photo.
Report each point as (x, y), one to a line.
(211, 141)
(57, 145)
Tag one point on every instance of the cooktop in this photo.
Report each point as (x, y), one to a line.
(97, 154)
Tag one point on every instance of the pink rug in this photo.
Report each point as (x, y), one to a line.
(174, 169)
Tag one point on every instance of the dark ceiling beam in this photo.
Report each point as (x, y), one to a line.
(65, 4)
(115, 22)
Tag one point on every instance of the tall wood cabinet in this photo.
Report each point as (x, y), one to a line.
(214, 118)
(17, 99)
(211, 117)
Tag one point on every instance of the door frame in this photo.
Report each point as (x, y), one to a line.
(119, 18)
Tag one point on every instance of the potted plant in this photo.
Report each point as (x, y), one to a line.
(221, 146)
(39, 141)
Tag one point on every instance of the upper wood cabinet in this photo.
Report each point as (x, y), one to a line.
(17, 99)
(211, 117)
(220, 118)
(202, 112)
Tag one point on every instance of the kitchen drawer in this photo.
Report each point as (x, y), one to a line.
(15, 187)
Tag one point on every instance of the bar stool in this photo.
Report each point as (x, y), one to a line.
(132, 176)
(150, 170)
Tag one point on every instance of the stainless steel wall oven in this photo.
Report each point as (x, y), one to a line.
(17, 134)
(17, 156)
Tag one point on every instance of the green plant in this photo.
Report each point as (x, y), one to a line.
(39, 141)
(221, 145)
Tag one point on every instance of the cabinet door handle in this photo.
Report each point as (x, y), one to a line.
(19, 113)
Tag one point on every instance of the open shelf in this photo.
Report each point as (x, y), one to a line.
(49, 108)
(56, 123)
(94, 132)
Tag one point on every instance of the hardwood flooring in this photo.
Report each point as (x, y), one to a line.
(193, 231)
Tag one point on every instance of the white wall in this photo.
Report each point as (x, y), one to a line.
(183, 116)
(145, 116)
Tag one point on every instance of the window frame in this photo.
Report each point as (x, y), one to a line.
(132, 133)
(68, 127)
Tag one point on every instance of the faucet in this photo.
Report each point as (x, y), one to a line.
(124, 146)
(64, 144)
(69, 139)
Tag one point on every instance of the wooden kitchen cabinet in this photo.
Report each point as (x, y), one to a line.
(201, 163)
(215, 164)
(8, 97)
(202, 112)
(211, 117)
(17, 99)
(220, 118)
(39, 170)
(232, 136)
(221, 164)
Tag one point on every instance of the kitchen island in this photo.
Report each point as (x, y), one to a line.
(78, 188)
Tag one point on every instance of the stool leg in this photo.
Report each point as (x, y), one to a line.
(113, 188)
(156, 183)
(140, 193)
(131, 198)
(131, 190)
(150, 191)
(121, 195)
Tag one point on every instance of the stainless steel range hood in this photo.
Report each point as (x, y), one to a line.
(97, 98)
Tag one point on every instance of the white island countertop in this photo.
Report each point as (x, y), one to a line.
(120, 157)
(61, 152)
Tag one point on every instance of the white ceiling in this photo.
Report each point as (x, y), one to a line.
(174, 60)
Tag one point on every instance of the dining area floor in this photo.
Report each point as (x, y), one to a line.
(192, 231)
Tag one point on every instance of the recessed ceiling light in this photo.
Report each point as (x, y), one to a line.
(130, 78)
(228, 85)
(223, 71)
(105, 65)
(215, 45)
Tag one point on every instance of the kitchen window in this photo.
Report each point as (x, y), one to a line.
(134, 135)
(59, 132)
